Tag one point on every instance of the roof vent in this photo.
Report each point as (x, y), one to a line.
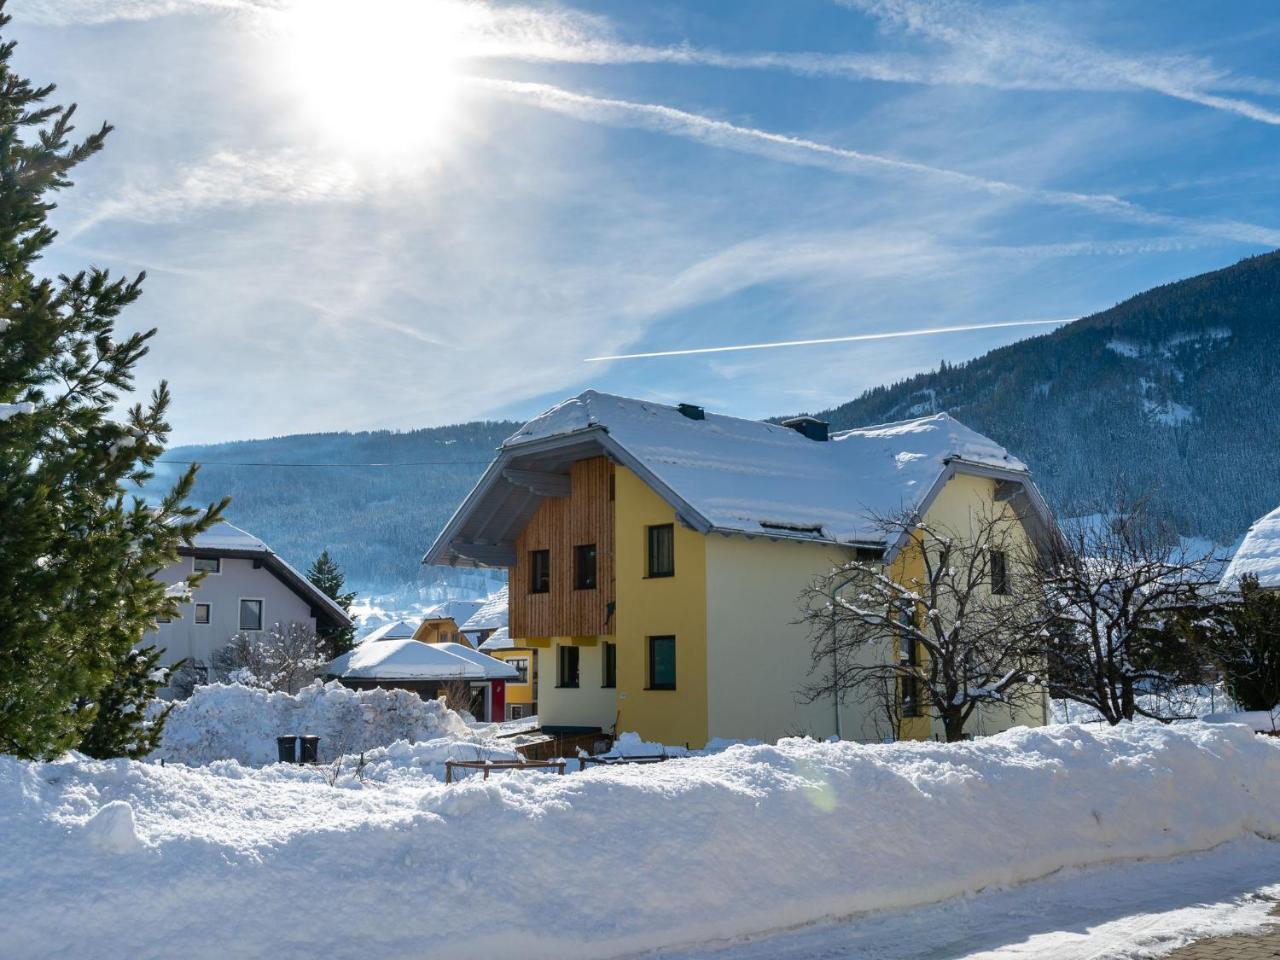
(810, 427)
(692, 411)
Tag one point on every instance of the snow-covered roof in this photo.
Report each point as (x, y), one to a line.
(1259, 554)
(493, 668)
(500, 639)
(491, 616)
(459, 611)
(406, 659)
(227, 536)
(729, 474)
(395, 630)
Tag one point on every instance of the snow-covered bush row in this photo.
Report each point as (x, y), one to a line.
(150, 860)
(235, 722)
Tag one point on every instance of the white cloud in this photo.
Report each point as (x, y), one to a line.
(719, 133)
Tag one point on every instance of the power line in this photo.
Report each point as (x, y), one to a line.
(405, 463)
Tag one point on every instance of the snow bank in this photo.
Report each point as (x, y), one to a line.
(227, 859)
(235, 722)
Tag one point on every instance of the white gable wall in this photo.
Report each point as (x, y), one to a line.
(223, 591)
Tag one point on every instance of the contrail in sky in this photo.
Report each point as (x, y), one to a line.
(925, 332)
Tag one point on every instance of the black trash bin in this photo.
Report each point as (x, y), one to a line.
(288, 748)
(310, 750)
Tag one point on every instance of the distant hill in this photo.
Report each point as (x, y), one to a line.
(1174, 392)
(376, 521)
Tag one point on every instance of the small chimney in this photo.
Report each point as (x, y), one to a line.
(692, 411)
(810, 427)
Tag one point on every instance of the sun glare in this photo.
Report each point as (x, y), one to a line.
(380, 76)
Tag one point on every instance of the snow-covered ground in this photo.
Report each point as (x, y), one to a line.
(274, 861)
(1131, 910)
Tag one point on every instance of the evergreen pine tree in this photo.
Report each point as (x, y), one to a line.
(328, 578)
(77, 550)
(121, 727)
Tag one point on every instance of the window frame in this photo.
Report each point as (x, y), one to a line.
(217, 566)
(608, 665)
(561, 649)
(515, 660)
(208, 613)
(651, 531)
(262, 614)
(999, 573)
(534, 557)
(909, 656)
(579, 552)
(651, 643)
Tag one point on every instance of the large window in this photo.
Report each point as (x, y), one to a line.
(539, 571)
(567, 666)
(250, 614)
(999, 572)
(609, 656)
(206, 564)
(521, 665)
(662, 550)
(202, 612)
(662, 663)
(584, 567)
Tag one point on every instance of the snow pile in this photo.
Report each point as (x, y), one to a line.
(624, 858)
(235, 722)
(1265, 721)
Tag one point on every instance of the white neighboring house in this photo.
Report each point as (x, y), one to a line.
(1259, 554)
(247, 588)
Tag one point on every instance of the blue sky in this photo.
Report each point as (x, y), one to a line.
(401, 214)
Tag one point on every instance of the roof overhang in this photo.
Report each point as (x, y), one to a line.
(1014, 487)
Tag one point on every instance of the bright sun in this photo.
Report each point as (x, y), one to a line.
(380, 76)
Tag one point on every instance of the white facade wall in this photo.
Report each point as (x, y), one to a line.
(184, 638)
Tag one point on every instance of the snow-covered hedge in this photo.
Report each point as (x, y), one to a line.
(228, 860)
(235, 722)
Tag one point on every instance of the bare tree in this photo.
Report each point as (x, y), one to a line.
(1116, 587)
(458, 694)
(286, 658)
(955, 623)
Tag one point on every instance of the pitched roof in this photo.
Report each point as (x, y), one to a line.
(729, 474)
(491, 616)
(500, 639)
(227, 540)
(395, 630)
(459, 611)
(406, 659)
(1259, 554)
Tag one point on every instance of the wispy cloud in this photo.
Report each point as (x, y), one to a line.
(776, 146)
(851, 338)
(1014, 49)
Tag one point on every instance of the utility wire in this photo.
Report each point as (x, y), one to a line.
(408, 463)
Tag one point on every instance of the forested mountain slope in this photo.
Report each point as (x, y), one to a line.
(1174, 392)
(377, 521)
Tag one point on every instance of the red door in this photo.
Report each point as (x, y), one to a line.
(499, 701)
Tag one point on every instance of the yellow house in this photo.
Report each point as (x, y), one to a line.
(656, 555)
(439, 630)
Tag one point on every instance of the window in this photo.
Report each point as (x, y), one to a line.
(567, 674)
(206, 564)
(609, 654)
(999, 572)
(521, 666)
(662, 663)
(909, 657)
(539, 571)
(662, 550)
(202, 613)
(517, 711)
(250, 614)
(164, 619)
(584, 567)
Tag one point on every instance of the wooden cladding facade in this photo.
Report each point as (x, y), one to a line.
(559, 525)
